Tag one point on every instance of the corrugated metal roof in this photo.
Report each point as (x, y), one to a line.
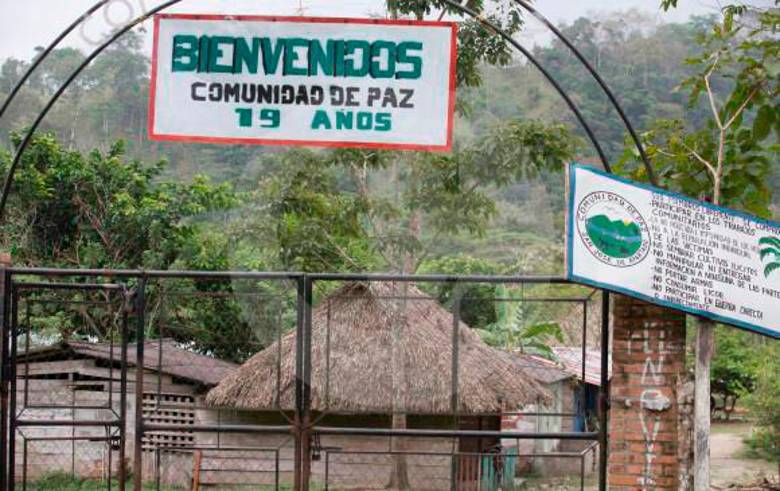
(571, 359)
(541, 369)
(175, 361)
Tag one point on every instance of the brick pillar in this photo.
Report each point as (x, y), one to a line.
(648, 363)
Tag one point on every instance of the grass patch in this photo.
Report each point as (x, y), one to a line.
(65, 482)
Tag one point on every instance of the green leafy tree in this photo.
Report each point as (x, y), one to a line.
(734, 368)
(477, 46)
(727, 159)
(519, 327)
(102, 210)
(640, 59)
(763, 403)
(476, 304)
(303, 219)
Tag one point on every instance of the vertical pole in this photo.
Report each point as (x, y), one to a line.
(5, 291)
(140, 311)
(705, 345)
(298, 383)
(122, 400)
(12, 394)
(24, 464)
(276, 467)
(196, 470)
(306, 433)
(108, 445)
(583, 386)
(603, 391)
(157, 467)
(73, 413)
(454, 395)
(327, 470)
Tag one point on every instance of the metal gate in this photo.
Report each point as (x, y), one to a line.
(114, 378)
(40, 412)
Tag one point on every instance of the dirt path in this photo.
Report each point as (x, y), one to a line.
(728, 462)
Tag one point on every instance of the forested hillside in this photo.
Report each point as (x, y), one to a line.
(348, 210)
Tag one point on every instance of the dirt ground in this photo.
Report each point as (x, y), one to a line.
(729, 464)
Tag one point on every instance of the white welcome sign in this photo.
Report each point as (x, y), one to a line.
(303, 81)
(672, 250)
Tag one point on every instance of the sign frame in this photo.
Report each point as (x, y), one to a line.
(446, 147)
(570, 225)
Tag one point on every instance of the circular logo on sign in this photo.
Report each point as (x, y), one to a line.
(612, 229)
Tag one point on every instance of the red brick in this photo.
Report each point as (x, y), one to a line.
(644, 332)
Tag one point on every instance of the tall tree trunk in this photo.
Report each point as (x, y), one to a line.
(399, 479)
(400, 476)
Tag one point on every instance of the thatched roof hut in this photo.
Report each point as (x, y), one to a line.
(356, 326)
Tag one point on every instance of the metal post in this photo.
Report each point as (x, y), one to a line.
(140, 310)
(276, 472)
(24, 465)
(456, 294)
(305, 433)
(327, 470)
(604, 392)
(583, 385)
(110, 452)
(122, 401)
(5, 292)
(454, 395)
(12, 394)
(300, 303)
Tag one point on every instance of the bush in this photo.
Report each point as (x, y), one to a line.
(764, 404)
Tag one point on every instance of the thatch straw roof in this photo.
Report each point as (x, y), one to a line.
(356, 326)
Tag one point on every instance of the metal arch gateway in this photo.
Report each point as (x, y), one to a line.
(602, 438)
(8, 182)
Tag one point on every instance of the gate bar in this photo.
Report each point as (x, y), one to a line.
(140, 312)
(604, 392)
(135, 273)
(520, 435)
(123, 399)
(12, 381)
(5, 364)
(305, 435)
(42, 285)
(296, 429)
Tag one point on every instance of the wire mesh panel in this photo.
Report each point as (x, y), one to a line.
(277, 381)
(45, 460)
(373, 470)
(68, 383)
(202, 330)
(431, 470)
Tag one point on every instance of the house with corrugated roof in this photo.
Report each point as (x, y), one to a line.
(80, 381)
(573, 377)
